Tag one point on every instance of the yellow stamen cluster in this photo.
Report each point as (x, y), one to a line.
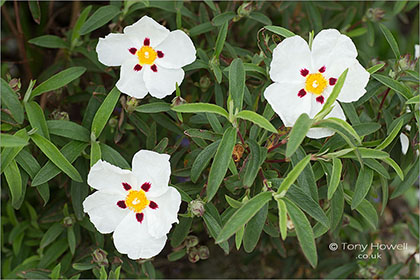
(136, 200)
(146, 55)
(315, 83)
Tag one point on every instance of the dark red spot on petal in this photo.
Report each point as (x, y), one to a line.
(320, 99)
(140, 217)
(322, 69)
(333, 81)
(154, 68)
(153, 205)
(121, 204)
(126, 186)
(137, 67)
(132, 50)
(146, 186)
(160, 54)
(301, 93)
(146, 42)
(304, 72)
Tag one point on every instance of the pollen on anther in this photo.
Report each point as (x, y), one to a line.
(320, 99)
(126, 186)
(301, 93)
(332, 81)
(132, 50)
(137, 67)
(146, 42)
(154, 68)
(121, 204)
(322, 69)
(140, 217)
(153, 205)
(146, 186)
(160, 54)
(304, 72)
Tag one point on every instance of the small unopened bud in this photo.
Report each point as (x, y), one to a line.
(68, 221)
(196, 207)
(178, 100)
(113, 122)
(193, 255)
(406, 63)
(60, 115)
(205, 83)
(375, 14)
(99, 256)
(203, 252)
(15, 84)
(191, 241)
(245, 9)
(290, 224)
(131, 104)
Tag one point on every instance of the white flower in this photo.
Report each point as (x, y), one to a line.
(416, 51)
(138, 206)
(304, 78)
(150, 56)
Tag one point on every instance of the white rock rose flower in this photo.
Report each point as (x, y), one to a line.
(138, 205)
(304, 78)
(151, 57)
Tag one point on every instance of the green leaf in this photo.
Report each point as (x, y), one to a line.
(282, 217)
(409, 180)
(155, 107)
(260, 17)
(376, 166)
(177, 255)
(69, 130)
(49, 41)
(36, 118)
(392, 270)
(395, 166)
(201, 108)
(221, 162)
(253, 163)
(221, 38)
(298, 133)
(254, 229)
(304, 232)
(237, 83)
(14, 181)
(222, 18)
(293, 175)
(8, 154)
(342, 128)
(71, 238)
(243, 215)
(365, 208)
(114, 157)
(95, 152)
(256, 119)
(367, 153)
(337, 207)
(59, 80)
(280, 31)
(391, 40)
(8, 140)
(233, 202)
(181, 231)
(306, 179)
(202, 160)
(99, 18)
(413, 100)
(363, 184)
(335, 177)
(55, 273)
(214, 227)
(375, 68)
(53, 253)
(10, 99)
(79, 23)
(104, 112)
(395, 85)
(35, 11)
(51, 151)
(51, 235)
(394, 132)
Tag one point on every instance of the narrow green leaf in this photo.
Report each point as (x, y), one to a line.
(201, 108)
(214, 227)
(155, 107)
(59, 80)
(233, 202)
(51, 151)
(243, 215)
(394, 132)
(391, 40)
(253, 163)
(337, 207)
(202, 160)
(104, 112)
(69, 130)
(256, 119)
(239, 237)
(378, 167)
(8, 154)
(395, 166)
(112, 156)
(36, 118)
(254, 229)
(409, 180)
(363, 184)
(222, 18)
(35, 11)
(282, 217)
(335, 177)
(237, 83)
(375, 68)
(365, 208)
(306, 179)
(221, 38)
(99, 18)
(293, 175)
(10, 99)
(51, 235)
(399, 87)
(8, 140)
(181, 231)
(413, 100)
(14, 181)
(95, 152)
(79, 23)
(280, 31)
(221, 162)
(298, 133)
(304, 232)
(52, 253)
(49, 41)
(71, 238)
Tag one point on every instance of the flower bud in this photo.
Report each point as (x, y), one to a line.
(113, 122)
(205, 83)
(203, 252)
(406, 63)
(196, 207)
(191, 241)
(15, 84)
(99, 257)
(68, 221)
(245, 9)
(131, 104)
(60, 115)
(193, 255)
(178, 100)
(375, 14)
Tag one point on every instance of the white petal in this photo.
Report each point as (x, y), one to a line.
(114, 49)
(147, 27)
(329, 47)
(416, 51)
(336, 112)
(131, 82)
(162, 218)
(289, 57)
(132, 238)
(108, 178)
(103, 211)
(284, 99)
(178, 50)
(355, 83)
(163, 82)
(405, 143)
(152, 167)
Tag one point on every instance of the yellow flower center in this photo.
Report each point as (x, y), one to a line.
(136, 200)
(315, 83)
(146, 55)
